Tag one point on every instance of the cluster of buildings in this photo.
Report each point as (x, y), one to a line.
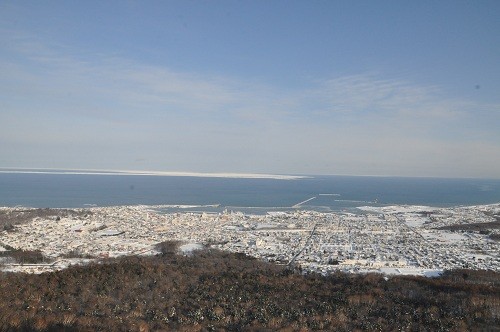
(392, 240)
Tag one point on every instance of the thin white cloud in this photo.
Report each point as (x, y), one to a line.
(369, 94)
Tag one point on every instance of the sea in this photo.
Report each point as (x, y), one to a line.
(248, 195)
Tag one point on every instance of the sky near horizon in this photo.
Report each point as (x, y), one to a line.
(289, 87)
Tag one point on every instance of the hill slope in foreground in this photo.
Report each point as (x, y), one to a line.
(218, 291)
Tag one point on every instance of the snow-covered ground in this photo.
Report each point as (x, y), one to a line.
(395, 239)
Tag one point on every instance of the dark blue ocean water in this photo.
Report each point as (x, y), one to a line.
(71, 190)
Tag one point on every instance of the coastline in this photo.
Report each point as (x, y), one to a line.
(391, 240)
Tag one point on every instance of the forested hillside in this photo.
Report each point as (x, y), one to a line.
(218, 291)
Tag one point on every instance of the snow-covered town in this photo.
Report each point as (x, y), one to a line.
(392, 240)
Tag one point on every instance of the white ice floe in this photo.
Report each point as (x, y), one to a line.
(153, 173)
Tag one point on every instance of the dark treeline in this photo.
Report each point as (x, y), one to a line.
(10, 218)
(473, 226)
(218, 291)
(20, 256)
(489, 228)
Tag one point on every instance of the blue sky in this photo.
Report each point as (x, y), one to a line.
(290, 87)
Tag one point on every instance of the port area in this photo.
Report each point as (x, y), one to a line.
(395, 240)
